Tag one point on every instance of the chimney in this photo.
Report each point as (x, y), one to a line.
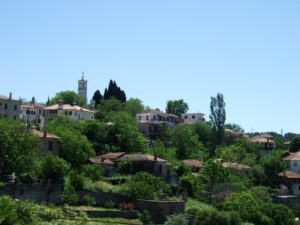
(60, 104)
(155, 156)
(102, 159)
(45, 134)
(10, 95)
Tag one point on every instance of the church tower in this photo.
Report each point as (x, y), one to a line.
(82, 87)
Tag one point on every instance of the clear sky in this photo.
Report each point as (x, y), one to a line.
(156, 50)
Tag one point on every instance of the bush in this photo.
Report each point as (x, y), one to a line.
(126, 167)
(92, 171)
(69, 195)
(77, 180)
(176, 220)
(145, 217)
(109, 204)
(53, 167)
(144, 186)
(213, 216)
(89, 200)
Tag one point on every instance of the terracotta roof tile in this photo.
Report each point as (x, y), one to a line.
(290, 175)
(193, 163)
(113, 155)
(100, 160)
(140, 157)
(293, 156)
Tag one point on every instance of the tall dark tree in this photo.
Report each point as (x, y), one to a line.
(114, 91)
(48, 101)
(177, 107)
(218, 117)
(33, 101)
(97, 98)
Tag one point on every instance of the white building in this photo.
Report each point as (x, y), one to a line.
(31, 113)
(9, 107)
(75, 112)
(291, 177)
(192, 118)
(151, 119)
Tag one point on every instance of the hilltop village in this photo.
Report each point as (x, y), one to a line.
(112, 160)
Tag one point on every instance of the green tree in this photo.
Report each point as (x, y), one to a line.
(109, 106)
(74, 146)
(69, 97)
(97, 97)
(134, 106)
(33, 101)
(53, 167)
(213, 173)
(177, 107)
(96, 132)
(218, 117)
(234, 127)
(204, 131)
(124, 134)
(114, 91)
(178, 219)
(18, 149)
(144, 186)
(186, 142)
(295, 144)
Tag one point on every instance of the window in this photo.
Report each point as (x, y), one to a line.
(21, 111)
(50, 146)
(0, 103)
(193, 116)
(66, 113)
(140, 117)
(295, 163)
(16, 107)
(185, 117)
(153, 117)
(70, 113)
(147, 117)
(5, 106)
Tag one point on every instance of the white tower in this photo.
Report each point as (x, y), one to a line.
(82, 87)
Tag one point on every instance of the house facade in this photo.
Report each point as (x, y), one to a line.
(150, 122)
(291, 177)
(49, 143)
(74, 112)
(267, 143)
(9, 107)
(31, 113)
(192, 118)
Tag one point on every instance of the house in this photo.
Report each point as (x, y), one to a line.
(194, 164)
(266, 141)
(74, 112)
(192, 118)
(145, 162)
(49, 143)
(291, 177)
(32, 113)
(107, 165)
(9, 107)
(150, 122)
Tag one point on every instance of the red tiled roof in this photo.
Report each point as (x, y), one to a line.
(113, 155)
(100, 160)
(290, 175)
(193, 163)
(140, 157)
(293, 156)
(262, 140)
(41, 134)
(68, 107)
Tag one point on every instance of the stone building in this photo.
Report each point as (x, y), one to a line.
(9, 107)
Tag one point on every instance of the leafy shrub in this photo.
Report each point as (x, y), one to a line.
(109, 204)
(92, 171)
(89, 200)
(126, 167)
(69, 194)
(213, 216)
(176, 220)
(145, 217)
(144, 186)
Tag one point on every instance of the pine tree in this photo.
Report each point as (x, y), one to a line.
(97, 98)
(114, 91)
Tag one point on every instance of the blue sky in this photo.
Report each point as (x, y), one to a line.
(160, 50)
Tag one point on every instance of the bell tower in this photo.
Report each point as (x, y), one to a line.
(82, 87)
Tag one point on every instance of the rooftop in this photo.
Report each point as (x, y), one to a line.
(68, 107)
(293, 156)
(101, 160)
(141, 158)
(236, 166)
(41, 134)
(193, 163)
(290, 175)
(113, 155)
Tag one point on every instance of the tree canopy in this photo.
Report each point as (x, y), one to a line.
(114, 91)
(177, 107)
(69, 97)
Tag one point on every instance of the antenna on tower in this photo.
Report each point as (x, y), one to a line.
(82, 73)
